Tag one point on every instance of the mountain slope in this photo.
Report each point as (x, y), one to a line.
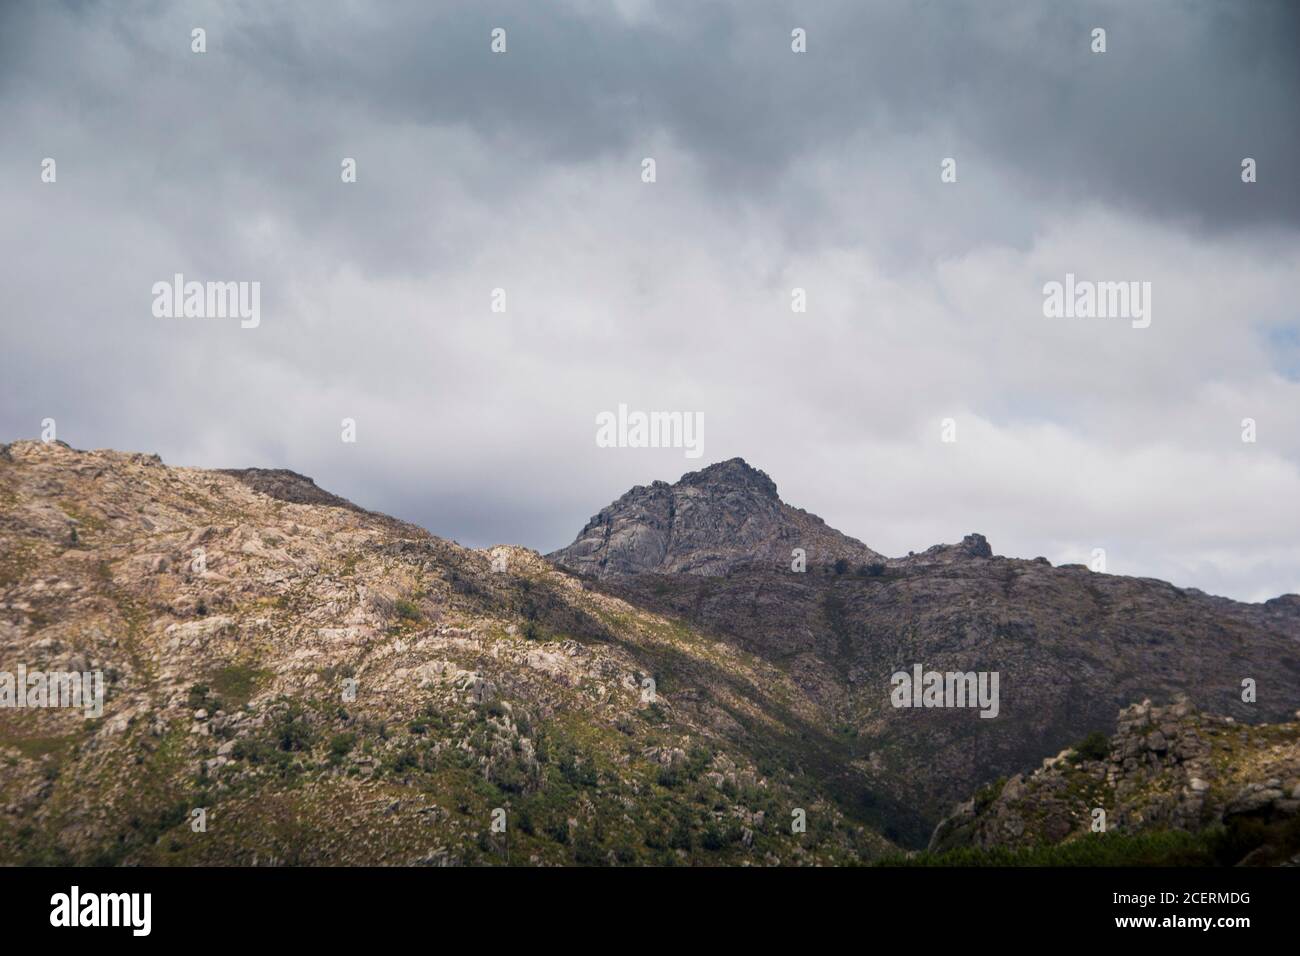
(1070, 648)
(1166, 770)
(230, 614)
(707, 523)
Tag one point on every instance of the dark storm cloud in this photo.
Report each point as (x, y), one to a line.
(1160, 122)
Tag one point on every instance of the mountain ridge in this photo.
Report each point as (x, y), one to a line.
(522, 686)
(1072, 646)
(707, 522)
(336, 687)
(634, 534)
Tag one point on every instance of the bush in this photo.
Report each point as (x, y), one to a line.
(341, 745)
(988, 793)
(696, 761)
(198, 697)
(558, 830)
(587, 852)
(714, 838)
(507, 775)
(577, 772)
(407, 610)
(625, 853)
(292, 732)
(254, 751)
(401, 762)
(1095, 746)
(681, 837)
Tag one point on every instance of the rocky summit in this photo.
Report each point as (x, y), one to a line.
(1070, 646)
(290, 678)
(709, 522)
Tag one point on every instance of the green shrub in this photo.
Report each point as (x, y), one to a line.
(341, 745)
(587, 852)
(401, 762)
(508, 775)
(198, 697)
(407, 610)
(714, 838)
(292, 731)
(681, 838)
(578, 772)
(988, 793)
(253, 750)
(1095, 746)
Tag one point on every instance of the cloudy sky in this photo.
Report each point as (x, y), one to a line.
(775, 170)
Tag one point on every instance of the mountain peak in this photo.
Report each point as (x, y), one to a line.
(712, 520)
(734, 472)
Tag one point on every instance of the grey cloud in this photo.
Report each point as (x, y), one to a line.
(776, 170)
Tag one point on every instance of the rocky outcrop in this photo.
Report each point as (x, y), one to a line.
(971, 546)
(1165, 768)
(284, 485)
(711, 521)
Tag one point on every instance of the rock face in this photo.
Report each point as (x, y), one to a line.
(1070, 646)
(1165, 768)
(711, 521)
